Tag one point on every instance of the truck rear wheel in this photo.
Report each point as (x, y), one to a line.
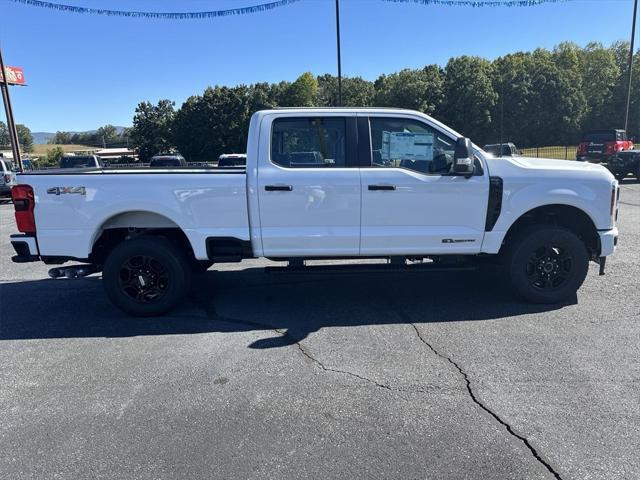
(546, 264)
(146, 276)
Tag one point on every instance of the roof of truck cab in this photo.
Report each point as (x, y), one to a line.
(355, 110)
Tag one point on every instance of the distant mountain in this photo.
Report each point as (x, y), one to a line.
(44, 137)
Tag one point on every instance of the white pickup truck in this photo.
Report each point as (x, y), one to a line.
(323, 183)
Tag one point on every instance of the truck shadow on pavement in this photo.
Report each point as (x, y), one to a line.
(292, 305)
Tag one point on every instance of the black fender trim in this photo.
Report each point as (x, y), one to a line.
(494, 203)
(228, 249)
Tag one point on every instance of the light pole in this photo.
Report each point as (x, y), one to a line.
(11, 124)
(338, 47)
(630, 66)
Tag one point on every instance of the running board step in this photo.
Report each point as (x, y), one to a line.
(373, 268)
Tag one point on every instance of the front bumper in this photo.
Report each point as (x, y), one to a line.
(26, 248)
(608, 241)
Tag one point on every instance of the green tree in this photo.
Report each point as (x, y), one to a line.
(619, 101)
(5, 140)
(558, 105)
(514, 86)
(469, 97)
(60, 138)
(152, 128)
(262, 96)
(53, 156)
(421, 90)
(600, 76)
(107, 134)
(634, 109)
(301, 93)
(215, 123)
(25, 138)
(356, 92)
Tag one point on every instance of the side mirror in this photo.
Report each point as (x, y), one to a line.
(463, 160)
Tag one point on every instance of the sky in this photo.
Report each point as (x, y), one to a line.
(85, 71)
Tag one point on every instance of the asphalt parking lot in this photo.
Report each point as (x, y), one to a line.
(289, 376)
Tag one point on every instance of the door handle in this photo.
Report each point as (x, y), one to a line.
(278, 188)
(382, 187)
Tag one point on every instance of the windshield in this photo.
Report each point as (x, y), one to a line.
(599, 137)
(164, 162)
(77, 161)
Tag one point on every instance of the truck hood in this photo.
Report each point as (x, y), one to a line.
(543, 168)
(552, 164)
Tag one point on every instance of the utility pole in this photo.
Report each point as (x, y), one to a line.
(338, 47)
(11, 125)
(630, 66)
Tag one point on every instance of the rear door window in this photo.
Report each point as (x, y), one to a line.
(309, 142)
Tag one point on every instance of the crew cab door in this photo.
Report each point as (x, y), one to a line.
(411, 204)
(309, 186)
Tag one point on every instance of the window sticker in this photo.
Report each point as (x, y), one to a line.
(407, 146)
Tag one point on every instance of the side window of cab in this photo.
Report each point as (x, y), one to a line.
(410, 144)
(309, 142)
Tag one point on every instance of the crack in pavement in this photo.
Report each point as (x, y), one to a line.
(213, 314)
(329, 369)
(473, 396)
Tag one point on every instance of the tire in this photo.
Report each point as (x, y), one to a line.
(146, 276)
(546, 264)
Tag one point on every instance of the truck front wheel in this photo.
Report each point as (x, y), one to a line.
(146, 276)
(546, 264)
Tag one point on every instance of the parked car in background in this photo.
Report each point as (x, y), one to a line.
(232, 160)
(7, 177)
(502, 149)
(167, 160)
(625, 163)
(27, 164)
(80, 161)
(598, 146)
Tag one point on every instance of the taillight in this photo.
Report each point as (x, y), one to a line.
(24, 204)
(582, 148)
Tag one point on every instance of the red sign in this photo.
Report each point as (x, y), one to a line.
(15, 75)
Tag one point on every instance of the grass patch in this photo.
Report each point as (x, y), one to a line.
(559, 152)
(42, 149)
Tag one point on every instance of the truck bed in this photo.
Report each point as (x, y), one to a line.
(73, 206)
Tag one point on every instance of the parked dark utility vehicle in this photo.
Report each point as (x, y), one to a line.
(625, 163)
(167, 161)
(80, 161)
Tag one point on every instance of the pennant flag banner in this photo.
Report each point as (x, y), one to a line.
(263, 7)
(159, 15)
(480, 3)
